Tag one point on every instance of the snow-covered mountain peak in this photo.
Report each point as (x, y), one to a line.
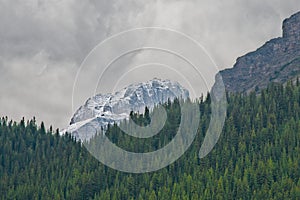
(103, 109)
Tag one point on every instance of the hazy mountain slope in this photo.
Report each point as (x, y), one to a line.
(278, 60)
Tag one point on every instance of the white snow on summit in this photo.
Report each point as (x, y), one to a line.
(104, 109)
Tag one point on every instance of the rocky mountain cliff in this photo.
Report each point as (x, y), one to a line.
(278, 60)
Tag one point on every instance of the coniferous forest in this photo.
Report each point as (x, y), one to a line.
(256, 157)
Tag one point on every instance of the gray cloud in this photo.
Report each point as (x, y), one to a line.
(42, 43)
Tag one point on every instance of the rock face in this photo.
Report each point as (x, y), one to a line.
(278, 60)
(104, 109)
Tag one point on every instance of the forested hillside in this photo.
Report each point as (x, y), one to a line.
(256, 157)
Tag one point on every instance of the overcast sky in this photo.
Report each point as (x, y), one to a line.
(43, 43)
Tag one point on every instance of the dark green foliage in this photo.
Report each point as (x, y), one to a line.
(156, 142)
(256, 157)
(36, 164)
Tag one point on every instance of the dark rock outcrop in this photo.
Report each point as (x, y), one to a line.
(278, 60)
